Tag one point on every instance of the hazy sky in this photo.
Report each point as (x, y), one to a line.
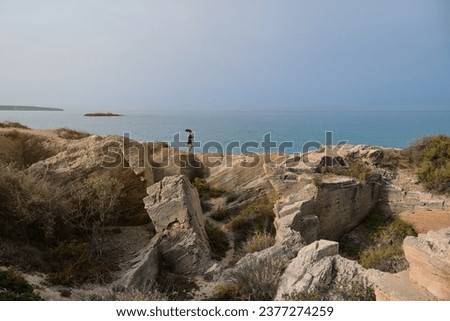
(260, 54)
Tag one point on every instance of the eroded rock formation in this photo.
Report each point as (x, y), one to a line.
(174, 207)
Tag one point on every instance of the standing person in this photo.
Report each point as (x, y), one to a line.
(190, 138)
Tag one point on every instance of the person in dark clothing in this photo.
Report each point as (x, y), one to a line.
(190, 138)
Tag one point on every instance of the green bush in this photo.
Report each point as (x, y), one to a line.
(258, 216)
(14, 287)
(387, 253)
(218, 241)
(432, 157)
(381, 258)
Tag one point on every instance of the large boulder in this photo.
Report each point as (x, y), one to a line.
(318, 267)
(174, 207)
(429, 260)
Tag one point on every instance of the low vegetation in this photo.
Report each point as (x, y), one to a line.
(101, 114)
(26, 148)
(377, 243)
(62, 227)
(9, 124)
(13, 287)
(175, 287)
(256, 217)
(431, 157)
(75, 263)
(258, 242)
(358, 170)
(67, 133)
(218, 241)
(205, 191)
(30, 207)
(345, 291)
(127, 295)
(222, 214)
(258, 281)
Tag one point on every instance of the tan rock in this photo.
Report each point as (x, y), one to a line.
(174, 207)
(429, 259)
(145, 268)
(318, 267)
(339, 205)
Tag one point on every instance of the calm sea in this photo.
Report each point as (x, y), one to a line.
(390, 129)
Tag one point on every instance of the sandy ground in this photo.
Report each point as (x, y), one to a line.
(425, 220)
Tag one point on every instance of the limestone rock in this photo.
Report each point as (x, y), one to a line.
(317, 266)
(299, 275)
(145, 268)
(398, 287)
(339, 205)
(174, 208)
(429, 259)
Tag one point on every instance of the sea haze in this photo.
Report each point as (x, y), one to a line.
(389, 129)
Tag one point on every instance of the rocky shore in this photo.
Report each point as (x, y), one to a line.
(177, 209)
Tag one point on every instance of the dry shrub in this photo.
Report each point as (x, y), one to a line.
(256, 281)
(67, 133)
(30, 207)
(33, 148)
(258, 242)
(344, 291)
(127, 295)
(95, 208)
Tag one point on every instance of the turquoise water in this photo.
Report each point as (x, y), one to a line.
(390, 129)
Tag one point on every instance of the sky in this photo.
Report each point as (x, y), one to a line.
(114, 55)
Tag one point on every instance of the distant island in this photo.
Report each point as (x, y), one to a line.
(29, 108)
(101, 114)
